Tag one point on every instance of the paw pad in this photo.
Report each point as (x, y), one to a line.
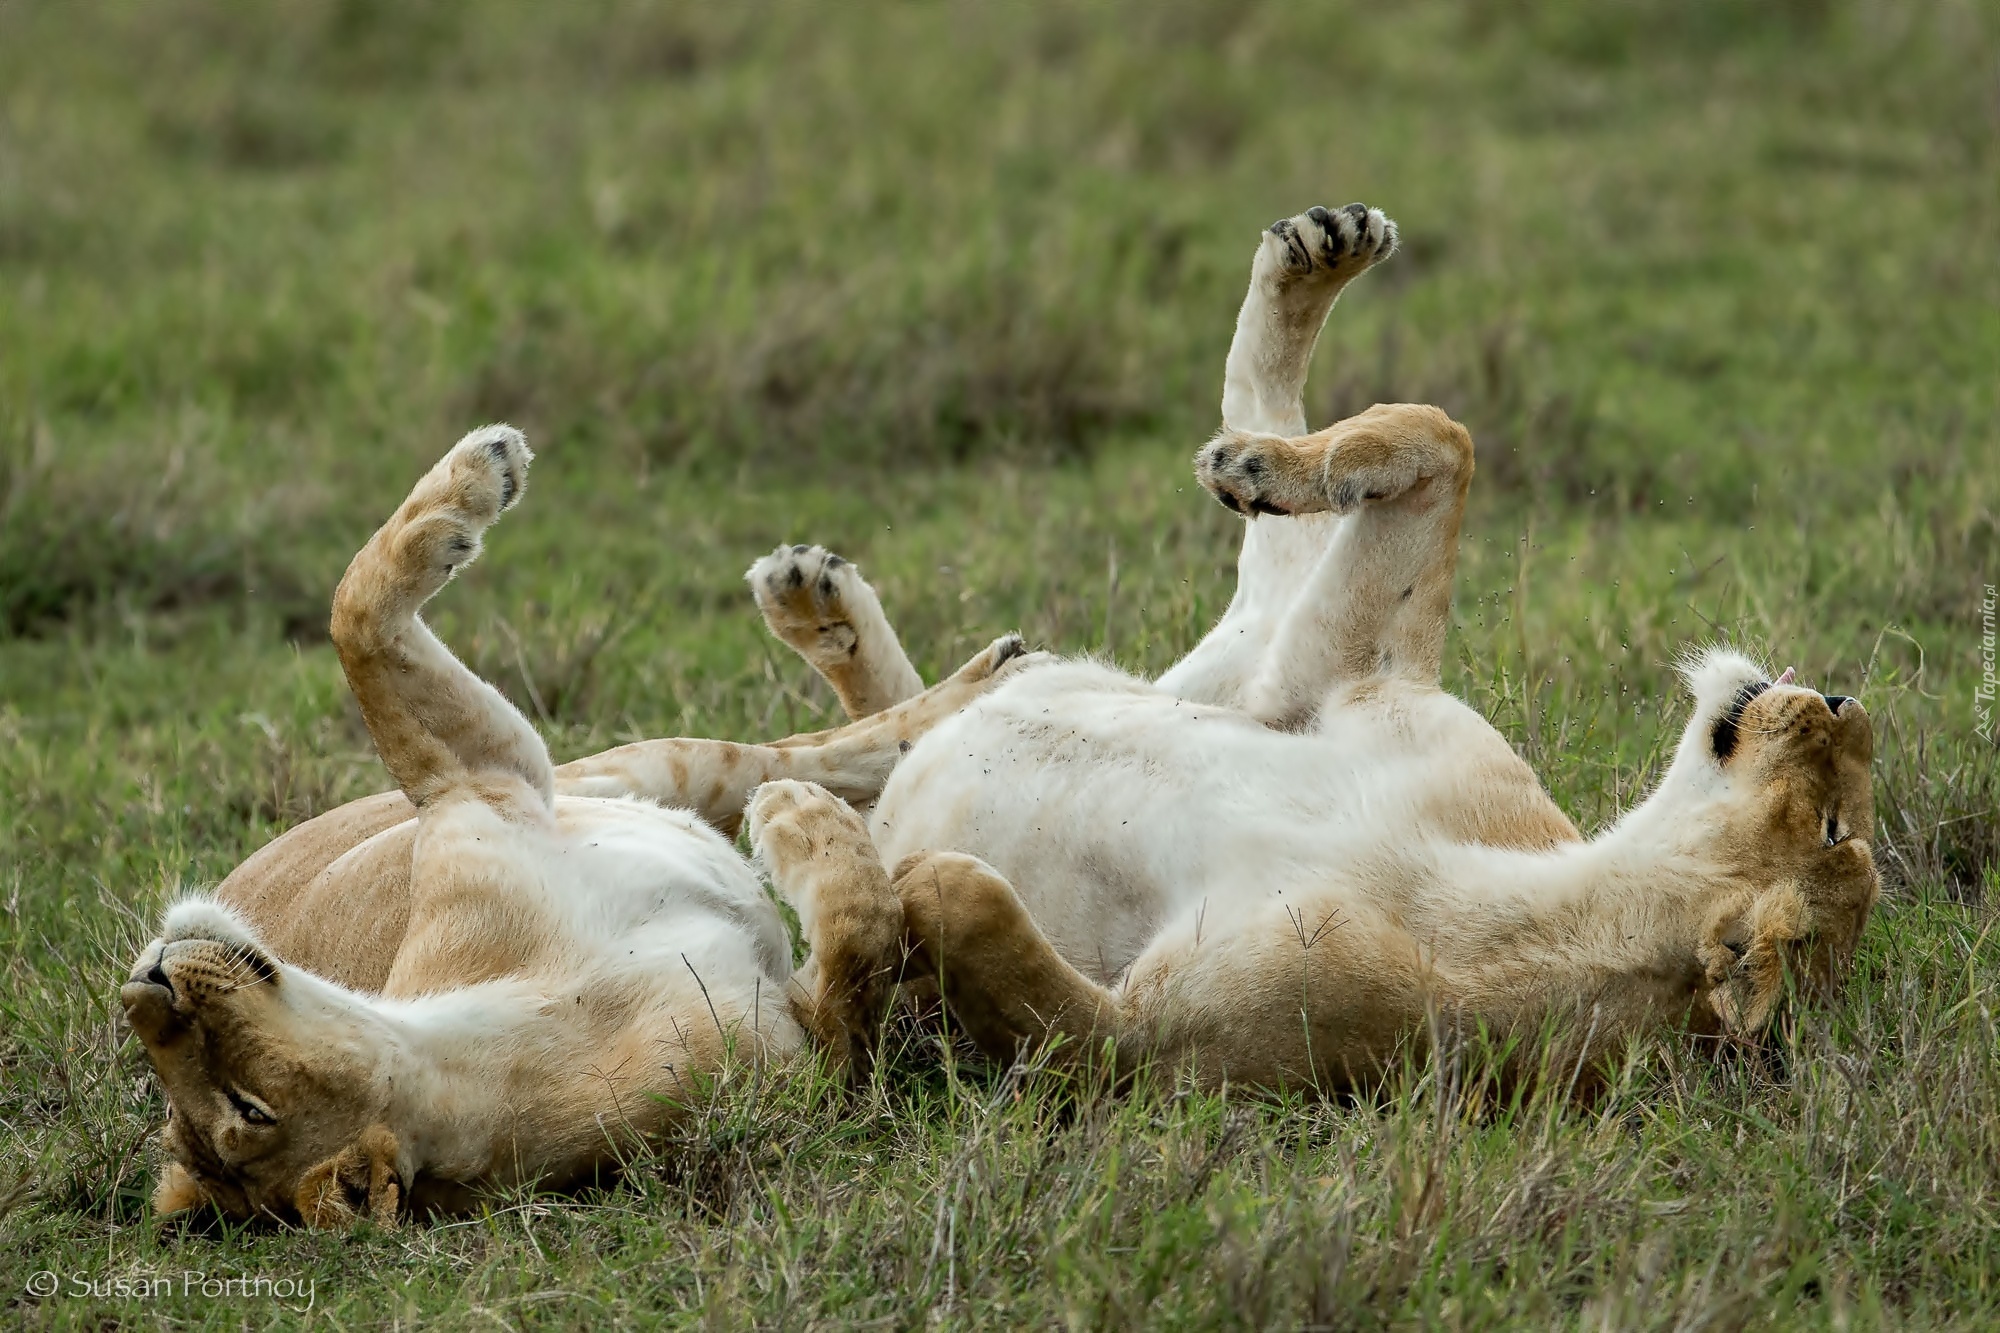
(806, 594)
(489, 470)
(1237, 473)
(1336, 241)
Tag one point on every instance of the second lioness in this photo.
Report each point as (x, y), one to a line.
(1295, 854)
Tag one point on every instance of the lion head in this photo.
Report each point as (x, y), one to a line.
(276, 1090)
(1784, 771)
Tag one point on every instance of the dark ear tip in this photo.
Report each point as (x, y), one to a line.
(1722, 740)
(261, 964)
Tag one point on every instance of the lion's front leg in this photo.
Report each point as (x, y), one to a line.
(716, 778)
(1377, 600)
(821, 860)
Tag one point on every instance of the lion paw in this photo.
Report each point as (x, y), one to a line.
(482, 477)
(1255, 474)
(822, 608)
(1337, 243)
(814, 600)
(791, 823)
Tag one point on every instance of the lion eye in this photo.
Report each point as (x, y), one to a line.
(1834, 837)
(251, 1111)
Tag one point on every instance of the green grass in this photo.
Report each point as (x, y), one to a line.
(948, 287)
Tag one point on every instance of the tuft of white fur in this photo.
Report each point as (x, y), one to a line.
(200, 918)
(1714, 674)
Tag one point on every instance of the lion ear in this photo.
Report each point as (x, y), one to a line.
(177, 1191)
(358, 1180)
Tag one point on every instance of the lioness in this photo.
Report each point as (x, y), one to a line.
(1279, 860)
(508, 971)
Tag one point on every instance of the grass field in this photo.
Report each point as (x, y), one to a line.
(947, 286)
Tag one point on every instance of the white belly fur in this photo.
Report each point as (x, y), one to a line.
(639, 882)
(1115, 809)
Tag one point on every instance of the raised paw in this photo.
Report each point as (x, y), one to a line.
(482, 476)
(822, 608)
(991, 660)
(1259, 474)
(1329, 243)
(1378, 455)
(814, 600)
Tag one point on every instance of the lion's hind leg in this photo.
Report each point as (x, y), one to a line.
(438, 727)
(1277, 994)
(1003, 982)
(715, 778)
(1302, 265)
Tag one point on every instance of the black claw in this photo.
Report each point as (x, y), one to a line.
(800, 549)
(1286, 232)
(1330, 245)
(796, 578)
(1253, 467)
(834, 561)
(509, 485)
(825, 586)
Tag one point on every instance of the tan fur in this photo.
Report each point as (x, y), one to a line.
(854, 921)
(333, 894)
(506, 972)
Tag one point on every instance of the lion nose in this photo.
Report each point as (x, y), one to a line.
(1834, 701)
